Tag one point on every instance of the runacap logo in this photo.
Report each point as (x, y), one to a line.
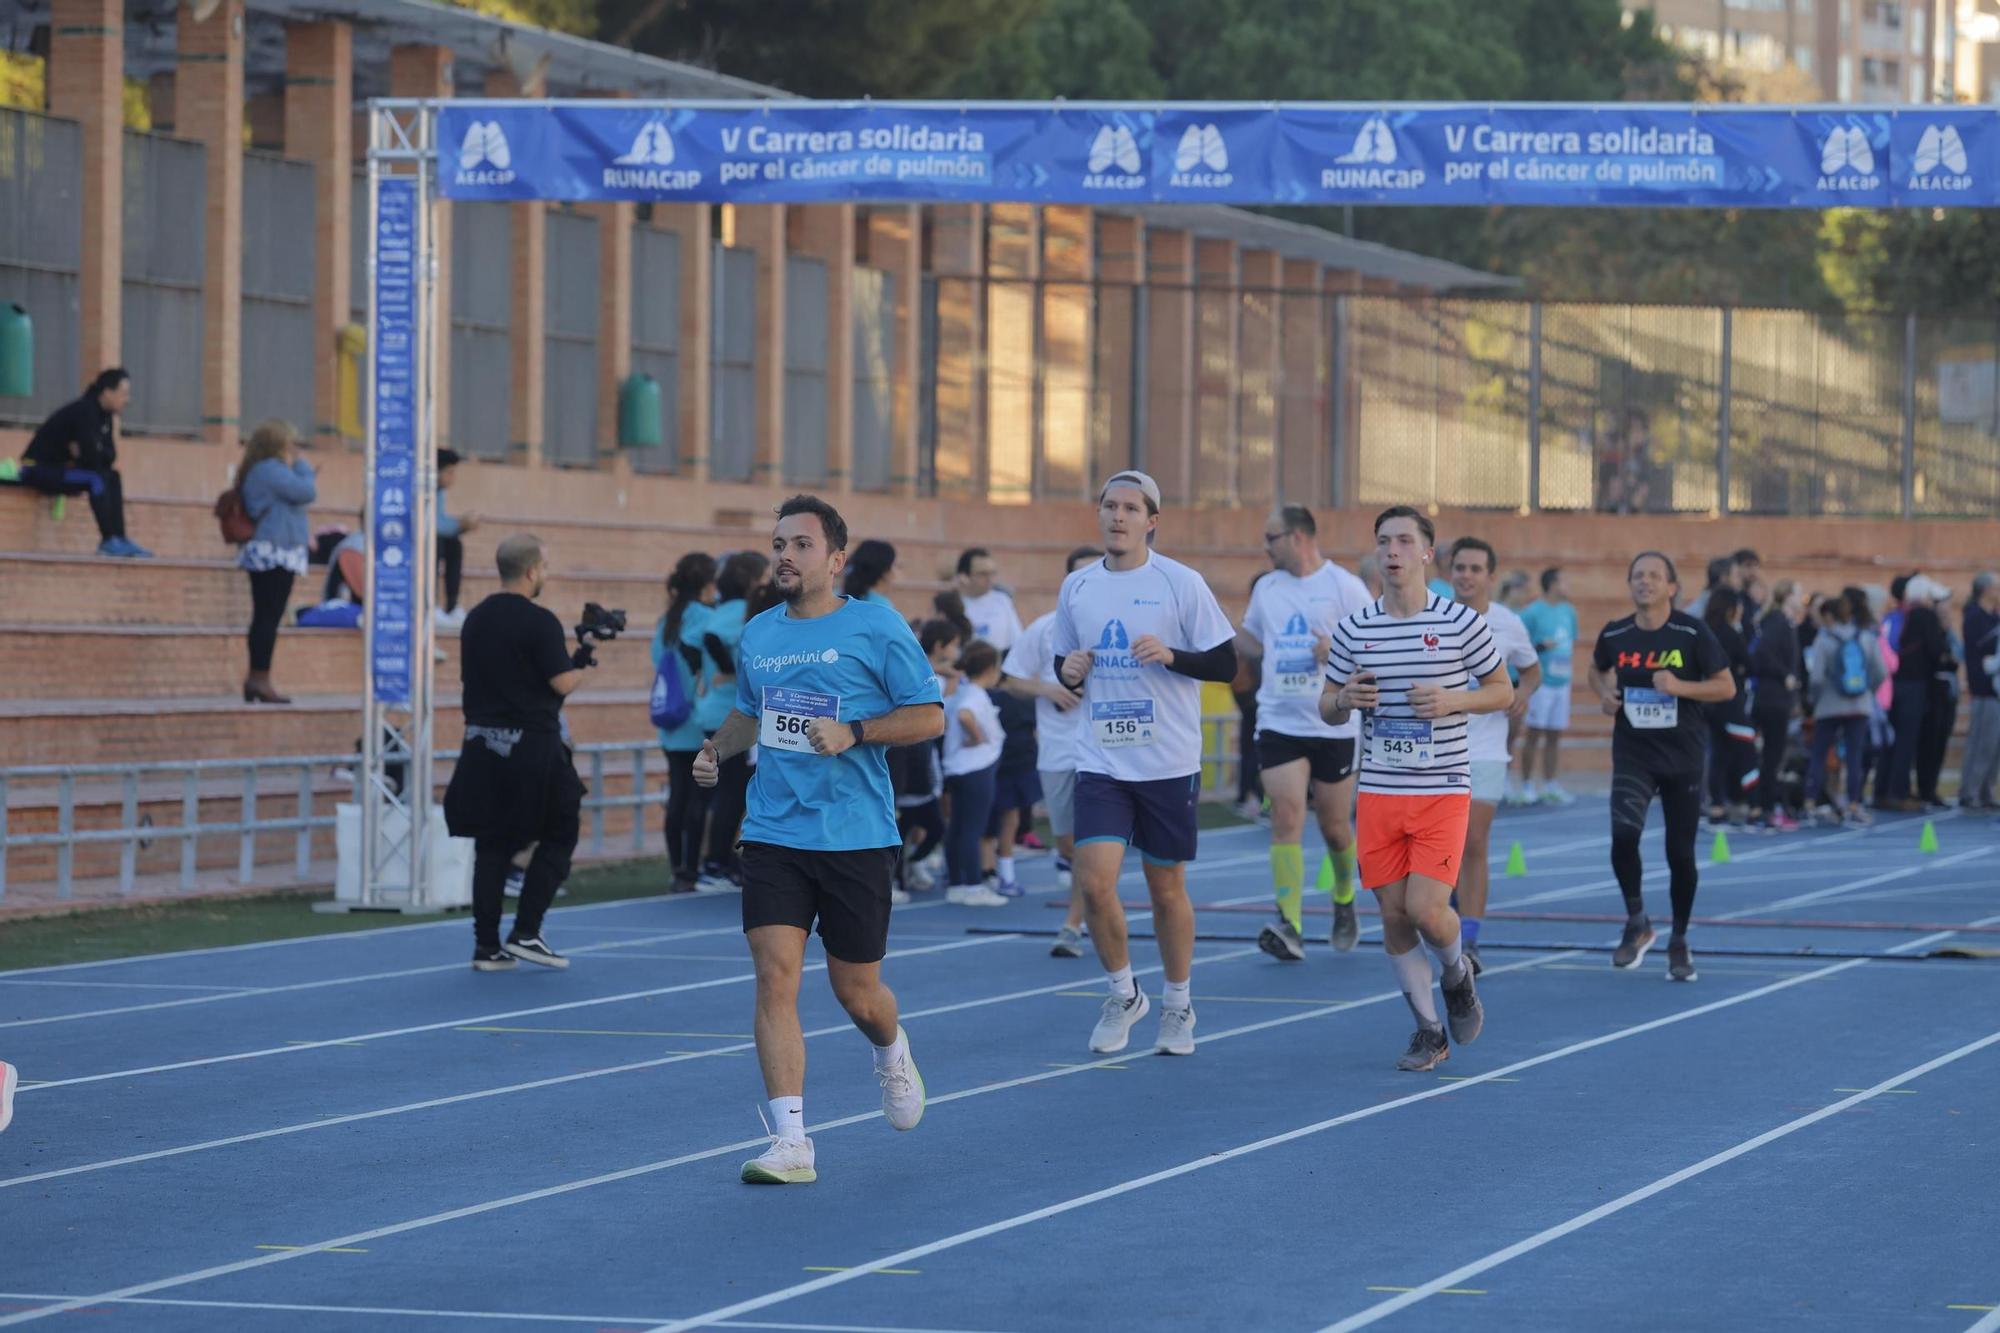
(484, 157)
(643, 167)
(1201, 146)
(1847, 162)
(1371, 163)
(1114, 146)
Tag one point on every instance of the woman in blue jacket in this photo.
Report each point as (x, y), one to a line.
(276, 485)
(690, 592)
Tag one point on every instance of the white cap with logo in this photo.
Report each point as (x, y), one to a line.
(1146, 485)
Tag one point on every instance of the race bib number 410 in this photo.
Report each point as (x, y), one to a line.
(786, 715)
(1121, 722)
(1297, 677)
(1652, 710)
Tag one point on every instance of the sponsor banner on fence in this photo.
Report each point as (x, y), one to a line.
(1551, 155)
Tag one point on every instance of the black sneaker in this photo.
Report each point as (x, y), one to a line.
(1428, 1050)
(1282, 942)
(534, 951)
(1472, 957)
(1631, 950)
(1680, 960)
(1346, 927)
(492, 960)
(1463, 1010)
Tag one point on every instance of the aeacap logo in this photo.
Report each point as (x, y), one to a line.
(1297, 625)
(1114, 162)
(483, 156)
(1202, 159)
(1940, 163)
(1113, 636)
(643, 165)
(1847, 161)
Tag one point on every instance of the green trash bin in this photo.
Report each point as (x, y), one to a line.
(17, 352)
(639, 413)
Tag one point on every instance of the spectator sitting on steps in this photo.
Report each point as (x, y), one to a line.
(451, 530)
(76, 451)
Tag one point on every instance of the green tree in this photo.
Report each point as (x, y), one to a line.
(1913, 259)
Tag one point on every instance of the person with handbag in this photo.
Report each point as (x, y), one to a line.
(275, 485)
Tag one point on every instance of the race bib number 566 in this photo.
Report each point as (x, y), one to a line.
(786, 715)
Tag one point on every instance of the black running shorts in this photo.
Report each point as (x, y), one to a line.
(846, 893)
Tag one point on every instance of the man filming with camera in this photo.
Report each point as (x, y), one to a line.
(516, 782)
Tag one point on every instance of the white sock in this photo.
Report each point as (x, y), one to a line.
(1413, 974)
(788, 1118)
(1175, 995)
(887, 1057)
(1450, 958)
(1122, 984)
(1534, 789)
(1005, 865)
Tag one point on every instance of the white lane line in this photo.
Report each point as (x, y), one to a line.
(903, 1258)
(505, 1315)
(1990, 1323)
(325, 982)
(383, 1034)
(453, 923)
(651, 1168)
(39, 982)
(1886, 877)
(328, 1122)
(1465, 1272)
(1383, 1309)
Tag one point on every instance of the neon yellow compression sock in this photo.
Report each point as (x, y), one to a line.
(1336, 872)
(1288, 880)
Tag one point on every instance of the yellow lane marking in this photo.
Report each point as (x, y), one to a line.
(337, 1249)
(608, 1032)
(892, 1272)
(1971, 1307)
(1442, 1291)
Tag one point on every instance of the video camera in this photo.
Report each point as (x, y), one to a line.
(599, 624)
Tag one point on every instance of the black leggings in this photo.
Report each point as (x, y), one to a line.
(687, 812)
(971, 807)
(1774, 727)
(1732, 753)
(725, 808)
(270, 594)
(1249, 781)
(927, 819)
(1632, 792)
(451, 555)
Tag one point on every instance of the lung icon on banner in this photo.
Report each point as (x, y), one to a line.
(389, 546)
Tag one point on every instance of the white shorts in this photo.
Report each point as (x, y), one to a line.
(1489, 780)
(1059, 798)
(1548, 708)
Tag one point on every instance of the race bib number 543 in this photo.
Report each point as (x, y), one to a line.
(786, 715)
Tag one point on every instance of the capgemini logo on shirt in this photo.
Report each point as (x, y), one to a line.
(780, 661)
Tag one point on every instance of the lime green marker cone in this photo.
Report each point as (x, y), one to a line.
(1719, 854)
(1517, 861)
(1927, 840)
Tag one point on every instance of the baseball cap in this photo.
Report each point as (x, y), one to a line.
(1147, 486)
(1924, 588)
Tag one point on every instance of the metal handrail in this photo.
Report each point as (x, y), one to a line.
(132, 834)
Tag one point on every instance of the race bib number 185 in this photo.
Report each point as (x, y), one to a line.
(786, 715)
(1652, 710)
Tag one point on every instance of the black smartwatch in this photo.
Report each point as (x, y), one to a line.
(858, 738)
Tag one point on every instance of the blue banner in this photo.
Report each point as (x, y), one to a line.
(390, 549)
(1707, 156)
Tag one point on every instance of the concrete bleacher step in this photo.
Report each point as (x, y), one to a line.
(108, 731)
(180, 661)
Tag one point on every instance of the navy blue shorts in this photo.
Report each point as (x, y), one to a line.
(1156, 817)
(1017, 790)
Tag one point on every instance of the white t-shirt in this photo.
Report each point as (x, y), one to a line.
(1447, 645)
(960, 757)
(1486, 733)
(994, 618)
(1033, 657)
(1141, 723)
(1286, 611)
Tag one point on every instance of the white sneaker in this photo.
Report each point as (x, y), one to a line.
(1553, 794)
(1176, 1032)
(10, 1078)
(897, 897)
(785, 1162)
(902, 1089)
(919, 877)
(973, 895)
(1065, 880)
(1114, 1025)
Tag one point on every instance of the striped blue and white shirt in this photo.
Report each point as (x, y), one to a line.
(1448, 645)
